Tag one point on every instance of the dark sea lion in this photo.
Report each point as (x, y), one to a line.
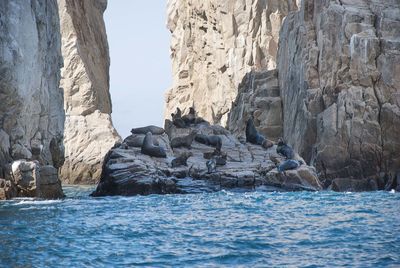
(210, 140)
(252, 134)
(143, 130)
(185, 141)
(178, 113)
(190, 118)
(137, 140)
(181, 160)
(211, 165)
(215, 153)
(284, 149)
(267, 144)
(288, 165)
(177, 119)
(220, 160)
(179, 123)
(199, 120)
(148, 148)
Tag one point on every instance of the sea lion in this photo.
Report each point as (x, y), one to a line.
(137, 140)
(178, 113)
(185, 141)
(288, 165)
(252, 134)
(220, 160)
(210, 140)
(211, 165)
(148, 148)
(267, 144)
(209, 155)
(143, 130)
(177, 119)
(181, 160)
(190, 118)
(284, 149)
(199, 120)
(179, 123)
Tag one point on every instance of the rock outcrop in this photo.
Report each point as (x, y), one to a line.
(258, 96)
(339, 76)
(129, 172)
(214, 44)
(89, 132)
(29, 179)
(31, 109)
(337, 99)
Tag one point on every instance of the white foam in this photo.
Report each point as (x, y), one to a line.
(32, 201)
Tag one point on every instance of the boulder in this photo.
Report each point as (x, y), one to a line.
(8, 189)
(29, 179)
(353, 185)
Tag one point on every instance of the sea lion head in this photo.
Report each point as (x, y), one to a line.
(281, 141)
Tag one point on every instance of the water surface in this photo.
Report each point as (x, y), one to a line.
(245, 229)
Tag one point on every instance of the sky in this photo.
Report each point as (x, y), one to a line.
(140, 71)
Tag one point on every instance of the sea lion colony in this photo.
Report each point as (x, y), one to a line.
(149, 144)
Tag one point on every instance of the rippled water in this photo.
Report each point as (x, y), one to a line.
(248, 229)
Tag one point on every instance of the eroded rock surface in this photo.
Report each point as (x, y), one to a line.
(259, 96)
(339, 76)
(89, 132)
(128, 172)
(214, 44)
(29, 179)
(31, 113)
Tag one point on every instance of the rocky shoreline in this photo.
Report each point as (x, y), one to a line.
(127, 171)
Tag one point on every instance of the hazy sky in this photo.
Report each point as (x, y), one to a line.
(140, 65)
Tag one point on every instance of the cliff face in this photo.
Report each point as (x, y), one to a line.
(31, 113)
(339, 76)
(258, 96)
(214, 44)
(338, 96)
(89, 132)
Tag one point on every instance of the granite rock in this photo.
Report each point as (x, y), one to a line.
(31, 113)
(29, 179)
(340, 87)
(89, 132)
(214, 44)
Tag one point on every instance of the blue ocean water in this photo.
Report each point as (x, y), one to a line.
(221, 229)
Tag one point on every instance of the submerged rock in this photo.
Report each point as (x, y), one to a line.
(127, 171)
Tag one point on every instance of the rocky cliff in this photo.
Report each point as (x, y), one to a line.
(31, 113)
(89, 132)
(339, 76)
(214, 44)
(336, 96)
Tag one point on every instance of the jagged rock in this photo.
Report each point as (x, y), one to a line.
(31, 112)
(128, 172)
(8, 189)
(338, 76)
(89, 132)
(258, 96)
(353, 185)
(49, 185)
(29, 179)
(214, 44)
